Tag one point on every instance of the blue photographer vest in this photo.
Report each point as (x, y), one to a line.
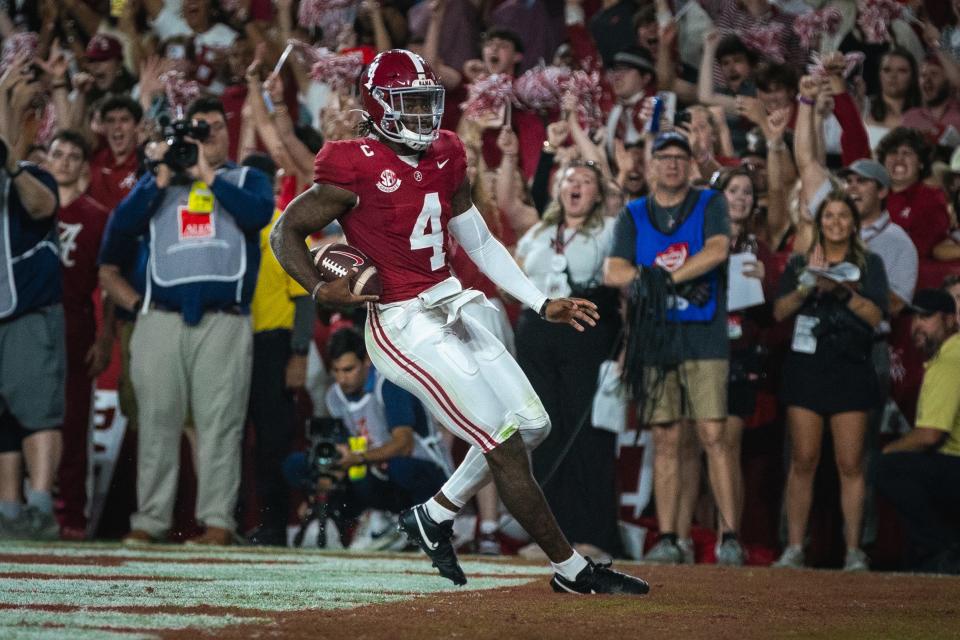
(671, 251)
(192, 243)
(36, 266)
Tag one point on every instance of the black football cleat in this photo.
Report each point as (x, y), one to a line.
(600, 578)
(434, 539)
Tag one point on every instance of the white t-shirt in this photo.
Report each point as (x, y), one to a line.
(169, 22)
(582, 257)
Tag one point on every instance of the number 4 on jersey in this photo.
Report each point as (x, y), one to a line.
(420, 239)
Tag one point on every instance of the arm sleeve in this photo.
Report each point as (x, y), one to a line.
(854, 142)
(493, 259)
(398, 406)
(251, 205)
(624, 237)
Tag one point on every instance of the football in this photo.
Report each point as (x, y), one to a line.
(337, 260)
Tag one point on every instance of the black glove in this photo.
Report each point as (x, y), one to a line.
(696, 293)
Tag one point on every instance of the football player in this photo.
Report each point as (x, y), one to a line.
(398, 190)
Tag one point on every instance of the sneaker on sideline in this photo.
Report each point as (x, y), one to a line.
(791, 558)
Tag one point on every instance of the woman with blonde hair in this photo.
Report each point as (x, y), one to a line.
(563, 255)
(828, 376)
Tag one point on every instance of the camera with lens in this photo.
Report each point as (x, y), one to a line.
(183, 154)
(324, 435)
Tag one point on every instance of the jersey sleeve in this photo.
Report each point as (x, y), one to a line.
(333, 165)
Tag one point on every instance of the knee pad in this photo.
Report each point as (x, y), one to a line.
(533, 423)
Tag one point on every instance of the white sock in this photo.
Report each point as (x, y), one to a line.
(438, 512)
(571, 567)
(488, 527)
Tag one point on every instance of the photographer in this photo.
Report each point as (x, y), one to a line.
(828, 375)
(200, 219)
(32, 352)
(390, 460)
(672, 247)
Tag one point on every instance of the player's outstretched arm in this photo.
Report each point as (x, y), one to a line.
(493, 259)
(310, 212)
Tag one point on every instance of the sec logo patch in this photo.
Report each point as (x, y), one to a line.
(389, 182)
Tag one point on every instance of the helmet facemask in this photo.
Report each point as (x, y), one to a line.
(411, 115)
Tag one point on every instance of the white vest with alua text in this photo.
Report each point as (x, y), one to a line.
(189, 246)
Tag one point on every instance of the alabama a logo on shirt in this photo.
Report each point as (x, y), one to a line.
(389, 182)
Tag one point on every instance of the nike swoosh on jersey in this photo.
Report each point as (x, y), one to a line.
(441, 165)
(423, 534)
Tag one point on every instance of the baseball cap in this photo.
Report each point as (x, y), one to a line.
(635, 57)
(929, 301)
(671, 139)
(869, 169)
(103, 47)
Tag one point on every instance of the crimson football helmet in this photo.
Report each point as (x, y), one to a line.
(403, 98)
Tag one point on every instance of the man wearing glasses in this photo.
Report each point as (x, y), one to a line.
(685, 232)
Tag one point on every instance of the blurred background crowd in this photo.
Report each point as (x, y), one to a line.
(820, 396)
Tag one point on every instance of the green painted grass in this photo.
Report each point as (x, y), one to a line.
(255, 580)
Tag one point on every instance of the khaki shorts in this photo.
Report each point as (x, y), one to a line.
(697, 390)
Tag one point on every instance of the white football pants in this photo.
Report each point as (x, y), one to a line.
(444, 355)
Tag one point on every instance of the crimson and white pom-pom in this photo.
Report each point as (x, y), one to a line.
(24, 41)
(850, 62)
(763, 40)
(540, 88)
(586, 86)
(339, 71)
(488, 96)
(230, 5)
(874, 18)
(179, 90)
(313, 13)
(48, 124)
(810, 26)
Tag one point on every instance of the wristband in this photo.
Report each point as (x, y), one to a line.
(543, 308)
(807, 101)
(313, 294)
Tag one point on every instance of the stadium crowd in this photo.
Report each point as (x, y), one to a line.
(788, 171)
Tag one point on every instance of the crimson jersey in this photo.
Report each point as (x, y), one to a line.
(81, 228)
(111, 182)
(401, 217)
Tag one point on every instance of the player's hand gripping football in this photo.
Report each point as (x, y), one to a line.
(573, 311)
(337, 293)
